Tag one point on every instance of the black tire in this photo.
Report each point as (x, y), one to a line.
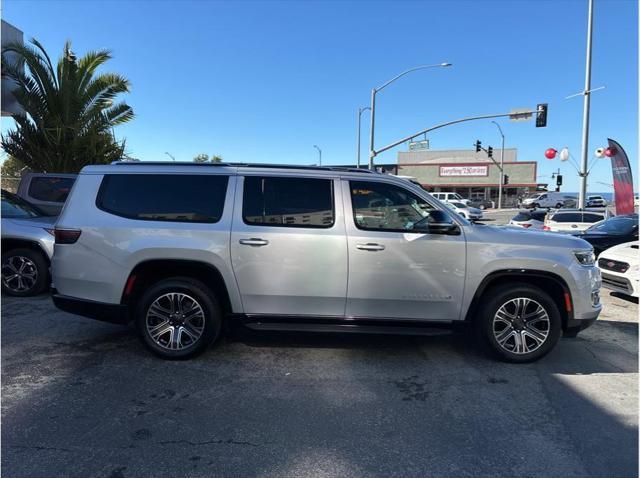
(33, 279)
(559, 205)
(501, 296)
(535, 205)
(208, 318)
(482, 207)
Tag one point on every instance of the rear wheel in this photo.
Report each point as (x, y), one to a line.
(178, 318)
(520, 323)
(535, 205)
(24, 272)
(559, 205)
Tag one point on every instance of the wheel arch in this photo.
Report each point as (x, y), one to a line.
(10, 243)
(551, 283)
(149, 272)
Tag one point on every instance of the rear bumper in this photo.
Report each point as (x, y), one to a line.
(112, 313)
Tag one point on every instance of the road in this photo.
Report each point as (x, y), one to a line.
(83, 398)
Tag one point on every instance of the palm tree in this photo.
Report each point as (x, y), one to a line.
(69, 111)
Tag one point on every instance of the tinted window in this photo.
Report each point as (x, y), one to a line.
(164, 197)
(14, 207)
(577, 217)
(522, 216)
(538, 216)
(292, 202)
(616, 225)
(381, 206)
(50, 189)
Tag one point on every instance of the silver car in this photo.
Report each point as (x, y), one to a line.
(27, 247)
(179, 249)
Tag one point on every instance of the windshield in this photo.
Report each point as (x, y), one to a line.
(616, 225)
(456, 196)
(15, 207)
(458, 204)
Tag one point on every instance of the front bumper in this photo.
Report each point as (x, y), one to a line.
(112, 313)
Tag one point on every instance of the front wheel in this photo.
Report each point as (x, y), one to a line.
(520, 323)
(559, 206)
(178, 318)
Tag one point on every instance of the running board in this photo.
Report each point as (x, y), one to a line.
(359, 326)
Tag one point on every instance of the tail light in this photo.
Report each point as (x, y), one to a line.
(546, 228)
(526, 225)
(67, 236)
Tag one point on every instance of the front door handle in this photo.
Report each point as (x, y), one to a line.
(254, 241)
(370, 246)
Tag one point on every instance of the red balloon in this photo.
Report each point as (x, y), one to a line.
(550, 153)
(610, 152)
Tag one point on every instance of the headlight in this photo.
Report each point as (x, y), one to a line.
(585, 258)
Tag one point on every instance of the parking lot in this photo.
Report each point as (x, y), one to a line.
(84, 398)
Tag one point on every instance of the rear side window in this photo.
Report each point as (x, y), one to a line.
(50, 189)
(288, 202)
(522, 216)
(164, 197)
(538, 216)
(577, 217)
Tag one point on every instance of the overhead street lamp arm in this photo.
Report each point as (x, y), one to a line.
(442, 125)
(422, 67)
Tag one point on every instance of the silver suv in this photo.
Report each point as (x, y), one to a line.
(180, 249)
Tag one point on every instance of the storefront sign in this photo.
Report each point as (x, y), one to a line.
(456, 171)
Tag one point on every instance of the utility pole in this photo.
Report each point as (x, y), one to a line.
(585, 114)
(320, 153)
(360, 111)
(501, 167)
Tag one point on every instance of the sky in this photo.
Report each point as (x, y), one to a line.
(265, 81)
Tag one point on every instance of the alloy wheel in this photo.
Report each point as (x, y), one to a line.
(175, 321)
(19, 273)
(521, 325)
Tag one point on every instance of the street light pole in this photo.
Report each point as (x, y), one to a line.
(585, 114)
(374, 91)
(501, 167)
(360, 111)
(320, 153)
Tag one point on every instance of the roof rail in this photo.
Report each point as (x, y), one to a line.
(244, 165)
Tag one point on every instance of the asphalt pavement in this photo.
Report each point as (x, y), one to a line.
(84, 398)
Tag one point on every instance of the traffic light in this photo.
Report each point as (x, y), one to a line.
(505, 180)
(559, 180)
(541, 115)
(490, 152)
(478, 146)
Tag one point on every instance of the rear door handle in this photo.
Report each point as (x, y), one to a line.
(254, 241)
(370, 246)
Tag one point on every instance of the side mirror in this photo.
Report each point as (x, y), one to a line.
(441, 223)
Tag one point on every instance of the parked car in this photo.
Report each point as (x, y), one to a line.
(620, 266)
(469, 213)
(616, 230)
(548, 199)
(181, 248)
(446, 196)
(27, 246)
(481, 204)
(596, 201)
(529, 219)
(46, 191)
(574, 220)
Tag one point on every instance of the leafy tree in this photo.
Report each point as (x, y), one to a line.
(12, 168)
(203, 158)
(69, 110)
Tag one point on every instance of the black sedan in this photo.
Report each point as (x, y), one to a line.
(611, 232)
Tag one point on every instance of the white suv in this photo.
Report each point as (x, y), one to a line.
(449, 197)
(179, 249)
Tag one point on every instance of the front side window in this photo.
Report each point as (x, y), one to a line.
(164, 197)
(288, 202)
(616, 225)
(50, 188)
(380, 206)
